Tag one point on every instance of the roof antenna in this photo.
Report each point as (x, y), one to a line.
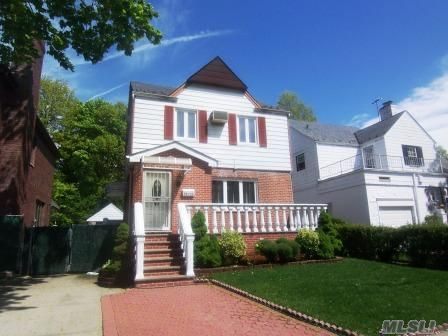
(376, 101)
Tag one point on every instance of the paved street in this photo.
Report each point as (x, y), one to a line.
(56, 305)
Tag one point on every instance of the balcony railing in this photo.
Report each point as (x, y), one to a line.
(253, 218)
(384, 162)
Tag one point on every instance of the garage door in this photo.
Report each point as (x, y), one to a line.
(396, 216)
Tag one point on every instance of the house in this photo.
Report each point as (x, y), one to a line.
(110, 214)
(385, 174)
(206, 145)
(27, 152)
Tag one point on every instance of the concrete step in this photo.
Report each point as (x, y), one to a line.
(165, 281)
(161, 244)
(162, 237)
(163, 252)
(163, 261)
(163, 270)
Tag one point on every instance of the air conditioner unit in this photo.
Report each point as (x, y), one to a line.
(218, 117)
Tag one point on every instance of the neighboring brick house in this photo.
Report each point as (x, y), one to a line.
(27, 153)
(209, 145)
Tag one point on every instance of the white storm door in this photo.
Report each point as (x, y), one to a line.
(157, 194)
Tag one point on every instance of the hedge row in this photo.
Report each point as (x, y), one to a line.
(424, 245)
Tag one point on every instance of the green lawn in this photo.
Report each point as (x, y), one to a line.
(355, 294)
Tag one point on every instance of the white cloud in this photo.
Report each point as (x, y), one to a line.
(358, 120)
(429, 106)
(147, 46)
(106, 92)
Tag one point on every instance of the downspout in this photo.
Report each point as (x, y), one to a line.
(414, 189)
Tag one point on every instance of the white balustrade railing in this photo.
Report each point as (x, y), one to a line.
(186, 236)
(253, 218)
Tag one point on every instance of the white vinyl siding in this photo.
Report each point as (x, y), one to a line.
(148, 126)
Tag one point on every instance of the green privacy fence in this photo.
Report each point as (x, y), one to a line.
(10, 242)
(47, 250)
(57, 250)
(91, 246)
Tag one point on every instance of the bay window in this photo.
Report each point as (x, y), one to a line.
(234, 192)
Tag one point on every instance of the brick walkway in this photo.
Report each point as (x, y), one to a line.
(194, 310)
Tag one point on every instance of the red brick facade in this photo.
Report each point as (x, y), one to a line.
(27, 153)
(273, 187)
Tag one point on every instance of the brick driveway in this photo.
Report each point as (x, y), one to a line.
(194, 310)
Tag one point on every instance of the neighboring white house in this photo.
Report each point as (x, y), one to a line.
(385, 174)
(109, 214)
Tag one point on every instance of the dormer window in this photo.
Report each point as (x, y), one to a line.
(186, 124)
(247, 130)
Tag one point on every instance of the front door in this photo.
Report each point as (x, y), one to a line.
(157, 194)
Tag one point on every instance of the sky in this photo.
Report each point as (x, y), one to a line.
(338, 56)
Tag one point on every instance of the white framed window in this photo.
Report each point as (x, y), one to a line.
(186, 124)
(234, 192)
(300, 162)
(247, 130)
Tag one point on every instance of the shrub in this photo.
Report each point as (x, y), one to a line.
(207, 252)
(268, 249)
(198, 225)
(326, 246)
(420, 244)
(309, 243)
(293, 244)
(327, 230)
(433, 220)
(284, 252)
(119, 264)
(233, 247)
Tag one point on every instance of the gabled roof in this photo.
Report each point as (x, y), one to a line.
(378, 129)
(217, 73)
(326, 133)
(110, 211)
(136, 157)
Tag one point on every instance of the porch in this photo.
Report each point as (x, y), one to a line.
(168, 256)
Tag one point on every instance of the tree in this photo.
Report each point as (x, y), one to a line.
(92, 148)
(289, 101)
(91, 28)
(442, 153)
(56, 100)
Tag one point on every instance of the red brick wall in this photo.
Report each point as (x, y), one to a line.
(39, 186)
(273, 187)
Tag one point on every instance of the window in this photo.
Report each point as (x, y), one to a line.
(38, 212)
(233, 192)
(247, 130)
(236, 192)
(217, 192)
(369, 157)
(186, 124)
(300, 162)
(413, 155)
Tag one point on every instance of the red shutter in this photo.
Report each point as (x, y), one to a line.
(232, 129)
(168, 123)
(262, 132)
(203, 126)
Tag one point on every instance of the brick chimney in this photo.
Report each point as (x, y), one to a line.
(386, 110)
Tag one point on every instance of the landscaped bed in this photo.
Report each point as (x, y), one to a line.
(354, 294)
